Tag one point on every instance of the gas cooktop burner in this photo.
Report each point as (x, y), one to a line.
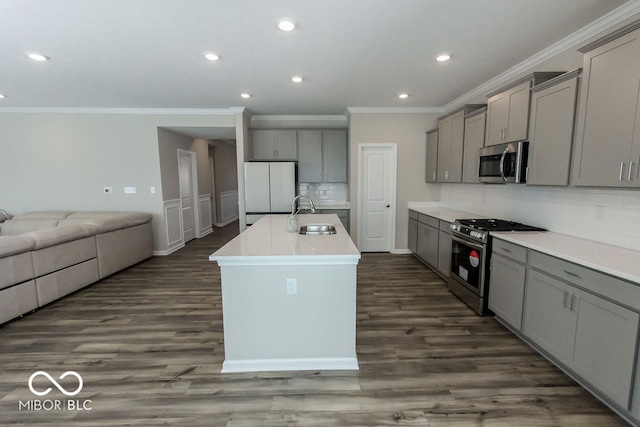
(493, 224)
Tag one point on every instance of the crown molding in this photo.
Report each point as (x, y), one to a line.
(131, 111)
(606, 22)
(395, 110)
(293, 118)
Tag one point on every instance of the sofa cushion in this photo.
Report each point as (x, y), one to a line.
(15, 227)
(63, 255)
(11, 245)
(52, 236)
(43, 215)
(16, 269)
(108, 221)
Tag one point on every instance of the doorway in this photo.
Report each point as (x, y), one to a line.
(187, 177)
(377, 169)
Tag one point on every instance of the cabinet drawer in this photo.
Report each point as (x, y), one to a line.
(618, 290)
(444, 226)
(429, 220)
(413, 215)
(509, 250)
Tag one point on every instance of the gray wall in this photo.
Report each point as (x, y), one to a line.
(225, 170)
(63, 160)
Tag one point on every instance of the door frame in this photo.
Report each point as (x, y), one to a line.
(194, 192)
(214, 204)
(393, 151)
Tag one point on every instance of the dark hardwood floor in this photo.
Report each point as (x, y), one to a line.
(148, 343)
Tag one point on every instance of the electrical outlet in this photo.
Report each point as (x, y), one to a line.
(599, 215)
(129, 190)
(292, 286)
(153, 190)
(108, 190)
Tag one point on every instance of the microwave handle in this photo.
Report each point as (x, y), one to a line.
(504, 155)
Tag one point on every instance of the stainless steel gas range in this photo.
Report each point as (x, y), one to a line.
(470, 257)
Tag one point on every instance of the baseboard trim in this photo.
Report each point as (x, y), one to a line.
(306, 364)
(401, 252)
(205, 231)
(227, 222)
(169, 251)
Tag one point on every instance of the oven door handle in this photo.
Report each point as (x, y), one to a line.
(468, 243)
(504, 155)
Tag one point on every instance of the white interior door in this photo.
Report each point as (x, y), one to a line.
(377, 197)
(185, 176)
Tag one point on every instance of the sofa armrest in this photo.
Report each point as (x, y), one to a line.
(52, 236)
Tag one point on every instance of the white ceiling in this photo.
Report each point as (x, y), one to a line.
(351, 53)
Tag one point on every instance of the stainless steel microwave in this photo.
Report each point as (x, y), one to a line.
(504, 163)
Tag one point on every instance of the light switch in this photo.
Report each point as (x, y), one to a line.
(129, 190)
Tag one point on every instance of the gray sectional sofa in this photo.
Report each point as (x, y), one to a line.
(47, 255)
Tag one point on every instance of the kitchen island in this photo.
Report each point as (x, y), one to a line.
(289, 300)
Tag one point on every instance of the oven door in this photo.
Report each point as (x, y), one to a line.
(468, 264)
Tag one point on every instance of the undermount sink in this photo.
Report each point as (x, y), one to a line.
(318, 230)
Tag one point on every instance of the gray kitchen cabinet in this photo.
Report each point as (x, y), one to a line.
(427, 245)
(474, 133)
(608, 135)
(322, 156)
(444, 249)
(590, 335)
(412, 232)
(431, 174)
(334, 156)
(450, 144)
(507, 282)
(508, 110)
(553, 108)
(309, 156)
(270, 144)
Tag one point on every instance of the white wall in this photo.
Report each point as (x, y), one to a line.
(408, 131)
(62, 161)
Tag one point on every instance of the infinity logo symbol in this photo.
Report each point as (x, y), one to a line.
(54, 382)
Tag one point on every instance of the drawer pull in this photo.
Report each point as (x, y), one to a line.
(572, 274)
(505, 249)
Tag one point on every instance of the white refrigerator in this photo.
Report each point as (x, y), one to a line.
(269, 187)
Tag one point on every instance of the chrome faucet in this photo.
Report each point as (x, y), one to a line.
(293, 204)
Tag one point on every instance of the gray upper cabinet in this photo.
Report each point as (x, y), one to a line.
(269, 144)
(508, 110)
(450, 145)
(474, 131)
(608, 132)
(432, 156)
(322, 156)
(309, 156)
(553, 107)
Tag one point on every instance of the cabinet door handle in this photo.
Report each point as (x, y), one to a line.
(565, 303)
(630, 169)
(572, 274)
(505, 133)
(621, 169)
(505, 249)
(573, 302)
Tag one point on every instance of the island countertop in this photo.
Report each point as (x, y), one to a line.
(268, 243)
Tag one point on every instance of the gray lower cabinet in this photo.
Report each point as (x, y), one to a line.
(412, 232)
(427, 245)
(506, 289)
(594, 337)
(444, 249)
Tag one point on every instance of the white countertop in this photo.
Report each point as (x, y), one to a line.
(614, 260)
(442, 213)
(268, 243)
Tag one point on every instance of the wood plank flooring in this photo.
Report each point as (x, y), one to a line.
(148, 343)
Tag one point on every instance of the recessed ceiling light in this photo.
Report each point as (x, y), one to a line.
(211, 56)
(245, 95)
(296, 79)
(286, 25)
(443, 57)
(403, 95)
(38, 57)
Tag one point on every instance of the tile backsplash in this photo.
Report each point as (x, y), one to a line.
(327, 193)
(604, 215)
